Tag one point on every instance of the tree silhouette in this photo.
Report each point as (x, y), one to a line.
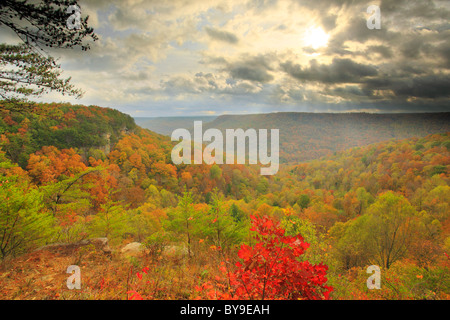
(42, 24)
(27, 69)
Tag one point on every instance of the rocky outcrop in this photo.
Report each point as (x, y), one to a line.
(100, 244)
(167, 252)
(107, 147)
(175, 252)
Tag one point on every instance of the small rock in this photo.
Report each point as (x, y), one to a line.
(133, 249)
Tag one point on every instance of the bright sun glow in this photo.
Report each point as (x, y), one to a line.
(315, 37)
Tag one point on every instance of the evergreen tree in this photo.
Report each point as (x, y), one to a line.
(24, 222)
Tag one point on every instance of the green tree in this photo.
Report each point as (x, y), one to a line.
(365, 199)
(382, 236)
(262, 186)
(351, 242)
(215, 172)
(221, 226)
(69, 193)
(236, 213)
(183, 219)
(24, 222)
(26, 69)
(42, 24)
(390, 227)
(439, 209)
(110, 222)
(304, 201)
(26, 73)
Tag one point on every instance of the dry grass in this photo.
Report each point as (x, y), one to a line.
(41, 275)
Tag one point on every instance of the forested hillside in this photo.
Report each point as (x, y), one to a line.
(27, 127)
(307, 136)
(73, 173)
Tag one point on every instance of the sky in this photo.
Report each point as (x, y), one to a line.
(198, 57)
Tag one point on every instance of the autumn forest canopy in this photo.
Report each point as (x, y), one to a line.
(70, 173)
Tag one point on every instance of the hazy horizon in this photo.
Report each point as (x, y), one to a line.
(274, 112)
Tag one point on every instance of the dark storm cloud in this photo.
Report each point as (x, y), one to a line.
(253, 69)
(329, 22)
(221, 35)
(412, 48)
(349, 92)
(431, 86)
(427, 87)
(407, 69)
(384, 51)
(206, 83)
(444, 51)
(416, 8)
(250, 73)
(334, 50)
(339, 71)
(356, 30)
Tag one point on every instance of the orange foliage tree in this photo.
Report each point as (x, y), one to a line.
(50, 163)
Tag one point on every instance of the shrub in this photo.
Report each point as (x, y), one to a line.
(271, 269)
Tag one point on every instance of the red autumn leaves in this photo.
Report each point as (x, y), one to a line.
(273, 269)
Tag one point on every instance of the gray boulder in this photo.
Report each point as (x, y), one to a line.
(133, 249)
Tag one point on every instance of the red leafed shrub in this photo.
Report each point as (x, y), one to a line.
(272, 269)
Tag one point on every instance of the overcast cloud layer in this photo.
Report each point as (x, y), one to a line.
(197, 57)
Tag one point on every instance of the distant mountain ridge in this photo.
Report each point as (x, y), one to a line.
(307, 136)
(165, 125)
